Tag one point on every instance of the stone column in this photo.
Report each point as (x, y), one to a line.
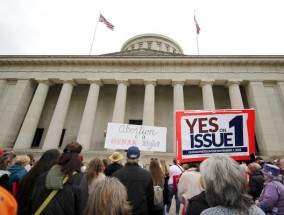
(88, 119)
(149, 104)
(235, 94)
(178, 105)
(207, 94)
(3, 84)
(26, 135)
(265, 130)
(178, 95)
(280, 89)
(58, 119)
(120, 102)
(15, 112)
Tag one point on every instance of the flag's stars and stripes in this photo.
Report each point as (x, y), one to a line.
(107, 23)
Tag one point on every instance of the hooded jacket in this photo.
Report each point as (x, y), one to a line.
(71, 198)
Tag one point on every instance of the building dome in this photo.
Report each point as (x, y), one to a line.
(152, 42)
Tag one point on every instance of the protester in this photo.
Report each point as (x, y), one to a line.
(259, 160)
(188, 186)
(94, 173)
(8, 204)
(109, 197)
(225, 188)
(175, 171)
(271, 200)
(24, 192)
(166, 173)
(256, 180)
(31, 163)
(158, 180)
(197, 203)
(116, 158)
(138, 182)
(72, 196)
(18, 171)
(6, 161)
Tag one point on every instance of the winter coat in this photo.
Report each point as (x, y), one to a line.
(272, 197)
(4, 179)
(220, 210)
(256, 183)
(17, 173)
(139, 186)
(197, 204)
(71, 200)
(110, 169)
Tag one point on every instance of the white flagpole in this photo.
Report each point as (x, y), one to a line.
(197, 43)
(94, 35)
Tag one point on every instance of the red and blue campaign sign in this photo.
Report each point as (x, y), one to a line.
(200, 134)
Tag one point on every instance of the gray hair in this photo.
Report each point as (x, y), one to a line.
(224, 183)
(132, 161)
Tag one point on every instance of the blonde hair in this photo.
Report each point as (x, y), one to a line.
(22, 160)
(108, 197)
(164, 167)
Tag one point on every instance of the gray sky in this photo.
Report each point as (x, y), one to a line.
(66, 27)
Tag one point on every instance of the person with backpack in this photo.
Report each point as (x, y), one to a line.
(175, 172)
(158, 182)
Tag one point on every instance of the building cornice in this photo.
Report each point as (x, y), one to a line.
(141, 60)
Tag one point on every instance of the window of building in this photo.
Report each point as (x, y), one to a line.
(167, 48)
(140, 45)
(37, 137)
(158, 46)
(149, 45)
(135, 121)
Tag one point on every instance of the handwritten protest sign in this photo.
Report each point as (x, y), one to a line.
(146, 138)
(200, 134)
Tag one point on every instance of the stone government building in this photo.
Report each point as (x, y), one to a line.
(49, 101)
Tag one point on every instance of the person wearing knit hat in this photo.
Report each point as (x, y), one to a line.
(116, 158)
(271, 200)
(8, 204)
(256, 180)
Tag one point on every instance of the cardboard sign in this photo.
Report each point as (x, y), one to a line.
(146, 138)
(200, 134)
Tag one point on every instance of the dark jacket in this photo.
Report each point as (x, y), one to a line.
(197, 204)
(256, 183)
(110, 169)
(139, 186)
(71, 200)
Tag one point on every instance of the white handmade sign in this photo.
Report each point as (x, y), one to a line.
(146, 138)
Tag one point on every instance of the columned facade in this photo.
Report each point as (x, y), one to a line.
(146, 82)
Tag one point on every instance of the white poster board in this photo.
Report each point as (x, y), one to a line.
(146, 138)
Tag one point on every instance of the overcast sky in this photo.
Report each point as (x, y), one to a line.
(66, 27)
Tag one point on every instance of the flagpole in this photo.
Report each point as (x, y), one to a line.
(197, 32)
(197, 43)
(94, 34)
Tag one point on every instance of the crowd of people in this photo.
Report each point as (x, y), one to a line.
(60, 183)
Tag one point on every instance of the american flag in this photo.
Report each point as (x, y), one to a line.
(197, 26)
(107, 23)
